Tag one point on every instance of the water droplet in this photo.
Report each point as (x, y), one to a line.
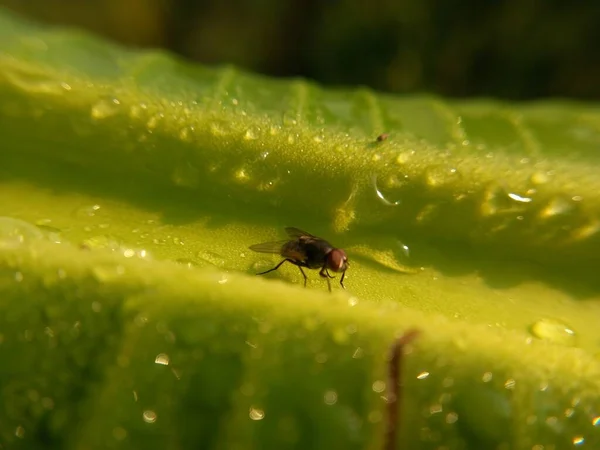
(264, 155)
(184, 134)
(510, 384)
(404, 249)
(44, 224)
(101, 242)
(108, 272)
(186, 262)
(162, 359)
(555, 331)
(88, 211)
(321, 358)
(498, 201)
(20, 432)
(436, 408)
(105, 108)
(15, 232)
(518, 198)
(330, 397)
(487, 377)
(404, 157)
(540, 178)
(149, 416)
(390, 183)
(440, 175)
(557, 206)
(451, 418)
(252, 134)
(352, 301)
(578, 440)
(423, 375)
(596, 421)
(241, 175)
(378, 386)
(256, 413)
(211, 258)
(358, 353)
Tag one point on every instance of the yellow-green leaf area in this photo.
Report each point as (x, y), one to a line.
(132, 184)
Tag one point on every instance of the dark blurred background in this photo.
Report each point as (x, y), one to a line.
(513, 49)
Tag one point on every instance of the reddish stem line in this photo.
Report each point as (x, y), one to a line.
(394, 395)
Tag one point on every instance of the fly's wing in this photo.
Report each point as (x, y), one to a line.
(296, 233)
(269, 247)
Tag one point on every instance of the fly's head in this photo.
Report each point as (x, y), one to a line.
(337, 261)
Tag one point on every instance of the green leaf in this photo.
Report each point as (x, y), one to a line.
(132, 185)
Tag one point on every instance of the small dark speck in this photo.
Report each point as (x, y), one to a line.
(382, 137)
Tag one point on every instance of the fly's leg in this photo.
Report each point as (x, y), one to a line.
(276, 267)
(326, 275)
(279, 265)
(342, 280)
(304, 275)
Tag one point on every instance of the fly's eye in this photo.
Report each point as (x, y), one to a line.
(337, 260)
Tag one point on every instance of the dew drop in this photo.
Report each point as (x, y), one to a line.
(241, 175)
(578, 440)
(256, 413)
(149, 416)
(554, 330)
(557, 206)
(108, 272)
(15, 232)
(596, 421)
(380, 194)
(217, 129)
(423, 375)
(451, 418)
(378, 386)
(321, 358)
(358, 353)
(162, 359)
(440, 175)
(518, 198)
(101, 242)
(330, 397)
(20, 432)
(251, 134)
(540, 178)
(352, 301)
(375, 416)
(211, 258)
(105, 108)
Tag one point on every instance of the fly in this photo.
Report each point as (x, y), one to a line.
(305, 250)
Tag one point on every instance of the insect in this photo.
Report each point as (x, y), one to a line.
(305, 250)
